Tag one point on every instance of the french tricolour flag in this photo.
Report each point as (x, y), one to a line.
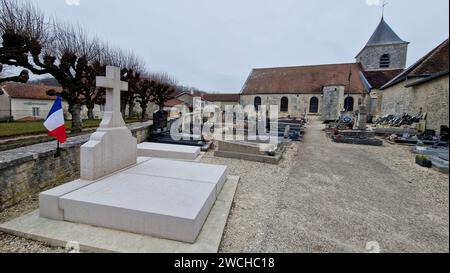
(55, 122)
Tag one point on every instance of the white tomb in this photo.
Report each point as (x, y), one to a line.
(112, 147)
(170, 151)
(157, 197)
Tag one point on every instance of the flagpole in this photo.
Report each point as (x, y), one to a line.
(58, 152)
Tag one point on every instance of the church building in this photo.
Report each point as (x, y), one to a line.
(326, 90)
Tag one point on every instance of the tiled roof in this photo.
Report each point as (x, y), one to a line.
(222, 97)
(430, 78)
(29, 91)
(173, 103)
(434, 62)
(379, 78)
(303, 79)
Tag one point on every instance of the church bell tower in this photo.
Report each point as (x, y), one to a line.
(384, 50)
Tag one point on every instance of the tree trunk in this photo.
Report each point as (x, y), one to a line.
(77, 125)
(144, 115)
(130, 108)
(123, 104)
(90, 111)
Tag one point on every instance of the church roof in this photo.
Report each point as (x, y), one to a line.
(435, 62)
(226, 97)
(303, 79)
(378, 78)
(384, 35)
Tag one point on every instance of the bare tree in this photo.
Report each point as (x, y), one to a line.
(23, 32)
(143, 94)
(157, 88)
(67, 53)
(69, 60)
(163, 89)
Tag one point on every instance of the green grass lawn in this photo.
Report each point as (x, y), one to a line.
(18, 128)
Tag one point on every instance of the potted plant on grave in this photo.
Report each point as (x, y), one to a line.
(423, 161)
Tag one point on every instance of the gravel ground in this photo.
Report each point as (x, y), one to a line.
(255, 200)
(345, 198)
(402, 161)
(13, 244)
(311, 203)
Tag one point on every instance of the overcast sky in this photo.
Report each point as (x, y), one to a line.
(214, 44)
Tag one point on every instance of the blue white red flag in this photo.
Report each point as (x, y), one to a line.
(55, 122)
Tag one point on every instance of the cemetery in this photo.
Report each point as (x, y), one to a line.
(320, 158)
(251, 151)
(142, 195)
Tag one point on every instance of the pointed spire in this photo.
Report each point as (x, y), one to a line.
(384, 35)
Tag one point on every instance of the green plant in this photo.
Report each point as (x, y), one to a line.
(422, 158)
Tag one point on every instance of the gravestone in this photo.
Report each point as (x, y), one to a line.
(112, 147)
(250, 151)
(361, 123)
(161, 198)
(160, 119)
(330, 104)
(170, 151)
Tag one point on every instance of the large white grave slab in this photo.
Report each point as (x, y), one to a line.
(156, 206)
(99, 239)
(161, 198)
(170, 151)
(198, 172)
(112, 147)
(158, 197)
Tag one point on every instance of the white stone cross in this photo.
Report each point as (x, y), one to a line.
(112, 117)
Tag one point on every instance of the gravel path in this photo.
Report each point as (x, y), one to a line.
(256, 198)
(341, 197)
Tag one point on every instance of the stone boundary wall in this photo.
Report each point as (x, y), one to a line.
(33, 169)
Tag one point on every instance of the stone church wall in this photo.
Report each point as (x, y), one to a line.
(431, 97)
(370, 56)
(299, 105)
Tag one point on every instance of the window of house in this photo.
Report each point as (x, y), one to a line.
(102, 108)
(258, 103)
(385, 61)
(349, 104)
(284, 104)
(36, 112)
(314, 105)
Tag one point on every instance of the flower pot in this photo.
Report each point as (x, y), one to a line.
(424, 163)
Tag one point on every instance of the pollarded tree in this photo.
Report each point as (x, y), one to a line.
(156, 88)
(22, 31)
(163, 89)
(70, 62)
(143, 94)
(64, 52)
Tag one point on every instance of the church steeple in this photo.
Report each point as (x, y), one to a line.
(384, 35)
(384, 50)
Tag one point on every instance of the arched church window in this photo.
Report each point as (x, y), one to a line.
(349, 104)
(284, 104)
(314, 105)
(385, 61)
(258, 103)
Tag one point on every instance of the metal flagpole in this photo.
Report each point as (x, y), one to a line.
(58, 152)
